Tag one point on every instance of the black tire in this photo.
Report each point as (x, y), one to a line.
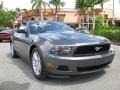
(42, 73)
(0, 40)
(13, 52)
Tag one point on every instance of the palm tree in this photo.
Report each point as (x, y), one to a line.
(25, 10)
(18, 10)
(37, 4)
(83, 5)
(57, 4)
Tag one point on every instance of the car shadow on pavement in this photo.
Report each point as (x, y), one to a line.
(26, 69)
(85, 78)
(5, 41)
(23, 66)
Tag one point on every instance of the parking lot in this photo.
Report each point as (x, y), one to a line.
(15, 74)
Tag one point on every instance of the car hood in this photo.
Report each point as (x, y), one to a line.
(72, 37)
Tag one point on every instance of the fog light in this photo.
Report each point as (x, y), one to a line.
(63, 68)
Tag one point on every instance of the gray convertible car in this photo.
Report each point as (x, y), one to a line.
(53, 48)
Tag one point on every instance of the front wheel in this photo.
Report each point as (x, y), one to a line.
(37, 65)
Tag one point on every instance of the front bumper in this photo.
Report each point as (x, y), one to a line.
(78, 65)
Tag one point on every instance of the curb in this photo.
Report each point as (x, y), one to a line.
(116, 43)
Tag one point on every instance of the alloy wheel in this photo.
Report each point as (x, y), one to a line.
(36, 63)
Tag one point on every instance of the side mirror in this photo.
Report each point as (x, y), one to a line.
(21, 31)
(76, 29)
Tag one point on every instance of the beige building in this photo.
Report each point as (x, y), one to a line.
(108, 13)
(66, 15)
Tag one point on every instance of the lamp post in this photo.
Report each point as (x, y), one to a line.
(113, 12)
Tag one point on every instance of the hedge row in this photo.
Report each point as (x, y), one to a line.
(113, 35)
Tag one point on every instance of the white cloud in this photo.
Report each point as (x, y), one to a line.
(12, 4)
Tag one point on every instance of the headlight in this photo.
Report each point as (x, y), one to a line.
(60, 51)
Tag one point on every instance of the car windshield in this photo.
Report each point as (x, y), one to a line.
(41, 27)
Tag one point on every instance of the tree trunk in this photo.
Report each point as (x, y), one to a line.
(56, 12)
(44, 12)
(40, 10)
(102, 14)
(40, 14)
(93, 18)
(88, 20)
(21, 17)
(82, 14)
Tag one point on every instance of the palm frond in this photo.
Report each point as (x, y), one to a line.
(34, 4)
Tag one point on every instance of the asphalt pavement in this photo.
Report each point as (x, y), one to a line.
(16, 74)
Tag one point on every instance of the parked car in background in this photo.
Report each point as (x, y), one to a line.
(5, 35)
(82, 30)
(54, 48)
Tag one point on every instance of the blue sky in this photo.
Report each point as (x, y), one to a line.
(12, 4)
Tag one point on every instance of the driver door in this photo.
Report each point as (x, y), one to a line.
(19, 38)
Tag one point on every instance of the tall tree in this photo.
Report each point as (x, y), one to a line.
(57, 4)
(37, 4)
(25, 10)
(18, 10)
(83, 5)
(7, 17)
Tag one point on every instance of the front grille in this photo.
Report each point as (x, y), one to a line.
(91, 49)
(89, 68)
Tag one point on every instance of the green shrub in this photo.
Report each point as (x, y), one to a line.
(99, 24)
(113, 35)
(111, 32)
(116, 36)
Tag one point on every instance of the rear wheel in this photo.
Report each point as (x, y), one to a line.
(37, 65)
(13, 52)
(0, 40)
